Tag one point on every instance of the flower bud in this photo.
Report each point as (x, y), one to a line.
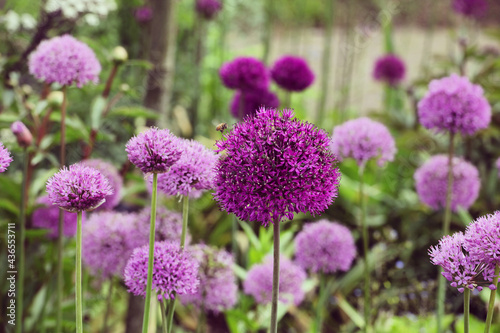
(55, 99)
(22, 133)
(124, 87)
(119, 55)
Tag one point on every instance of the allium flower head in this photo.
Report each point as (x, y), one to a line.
(245, 73)
(115, 181)
(109, 239)
(471, 8)
(218, 290)
(273, 166)
(78, 188)
(259, 282)
(22, 133)
(155, 150)
(208, 8)
(252, 101)
(192, 174)
(431, 181)
(363, 139)
(389, 69)
(143, 14)
(482, 238)
(324, 247)
(46, 216)
(459, 267)
(454, 104)
(168, 226)
(5, 158)
(292, 73)
(64, 60)
(174, 271)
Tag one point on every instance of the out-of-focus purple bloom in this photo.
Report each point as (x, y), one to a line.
(78, 188)
(143, 14)
(273, 166)
(324, 247)
(218, 290)
(168, 226)
(459, 267)
(115, 181)
(155, 150)
(174, 271)
(259, 282)
(363, 139)
(292, 73)
(5, 158)
(208, 8)
(482, 238)
(389, 69)
(454, 104)
(46, 216)
(431, 181)
(22, 133)
(64, 60)
(109, 239)
(252, 101)
(497, 163)
(245, 73)
(471, 8)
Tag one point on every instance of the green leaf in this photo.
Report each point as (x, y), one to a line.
(240, 272)
(96, 110)
(9, 206)
(133, 112)
(40, 106)
(351, 312)
(250, 234)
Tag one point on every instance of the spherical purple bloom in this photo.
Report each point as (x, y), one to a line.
(143, 14)
(192, 174)
(324, 247)
(115, 181)
(431, 181)
(22, 133)
(471, 8)
(174, 271)
(5, 158)
(218, 290)
(461, 268)
(46, 216)
(482, 238)
(454, 104)
(78, 188)
(292, 73)
(252, 101)
(109, 239)
(208, 8)
(389, 69)
(168, 226)
(245, 73)
(155, 150)
(273, 166)
(259, 282)
(64, 60)
(363, 139)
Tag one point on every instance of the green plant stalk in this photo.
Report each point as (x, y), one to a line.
(288, 99)
(266, 36)
(170, 314)
(323, 296)
(202, 321)
(149, 282)
(466, 309)
(78, 296)
(325, 61)
(234, 243)
(491, 304)
(22, 236)
(163, 316)
(108, 306)
(276, 277)
(364, 232)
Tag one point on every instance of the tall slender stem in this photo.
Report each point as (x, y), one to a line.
(288, 99)
(266, 36)
(163, 316)
(185, 210)
(202, 321)
(323, 296)
(22, 254)
(364, 230)
(234, 244)
(491, 304)
(325, 61)
(149, 282)
(276, 277)
(78, 296)
(108, 306)
(466, 309)
(170, 314)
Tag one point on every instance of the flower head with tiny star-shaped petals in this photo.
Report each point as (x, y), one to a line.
(5, 158)
(482, 238)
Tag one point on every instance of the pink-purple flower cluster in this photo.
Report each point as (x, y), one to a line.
(115, 181)
(245, 73)
(64, 60)
(259, 282)
(482, 238)
(208, 8)
(363, 139)
(456, 105)
(431, 181)
(168, 226)
(272, 166)
(292, 73)
(5, 158)
(324, 247)
(471, 8)
(389, 69)
(46, 216)
(252, 101)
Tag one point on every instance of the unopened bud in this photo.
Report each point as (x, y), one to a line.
(124, 87)
(119, 55)
(55, 99)
(22, 133)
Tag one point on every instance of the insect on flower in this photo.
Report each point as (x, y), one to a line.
(221, 127)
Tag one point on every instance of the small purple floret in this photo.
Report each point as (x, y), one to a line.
(292, 73)
(5, 158)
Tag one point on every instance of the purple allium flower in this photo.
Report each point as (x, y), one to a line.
(5, 158)
(46, 216)
(245, 73)
(64, 60)
(208, 8)
(192, 174)
(454, 104)
(471, 8)
(143, 14)
(273, 166)
(324, 247)
(218, 289)
(431, 181)
(252, 101)
(174, 271)
(168, 226)
(109, 240)
(292, 73)
(22, 133)
(78, 188)
(497, 163)
(482, 238)
(155, 150)
(259, 282)
(462, 269)
(114, 178)
(389, 69)
(363, 139)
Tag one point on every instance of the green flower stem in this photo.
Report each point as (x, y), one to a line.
(149, 282)
(491, 304)
(325, 60)
(364, 232)
(234, 243)
(22, 255)
(163, 316)
(276, 277)
(288, 99)
(466, 309)
(78, 296)
(202, 321)
(185, 210)
(108, 306)
(321, 306)
(170, 314)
